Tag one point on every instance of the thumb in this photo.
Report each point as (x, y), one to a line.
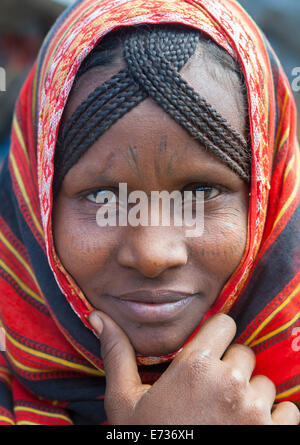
(118, 356)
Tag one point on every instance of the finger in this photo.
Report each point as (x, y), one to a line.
(117, 353)
(213, 337)
(286, 413)
(264, 389)
(240, 358)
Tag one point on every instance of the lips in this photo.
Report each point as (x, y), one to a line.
(153, 306)
(159, 296)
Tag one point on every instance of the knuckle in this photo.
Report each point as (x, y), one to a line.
(196, 365)
(259, 412)
(266, 380)
(258, 406)
(266, 383)
(226, 321)
(233, 388)
(289, 405)
(243, 349)
(236, 381)
(272, 387)
(291, 408)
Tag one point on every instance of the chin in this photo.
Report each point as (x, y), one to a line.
(156, 347)
(155, 352)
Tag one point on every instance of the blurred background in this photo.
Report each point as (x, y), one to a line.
(24, 24)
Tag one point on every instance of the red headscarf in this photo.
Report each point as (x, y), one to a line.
(51, 371)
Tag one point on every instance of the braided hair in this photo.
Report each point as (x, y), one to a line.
(154, 56)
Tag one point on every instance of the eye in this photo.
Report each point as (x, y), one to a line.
(102, 196)
(208, 191)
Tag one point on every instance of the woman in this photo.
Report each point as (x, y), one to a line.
(202, 106)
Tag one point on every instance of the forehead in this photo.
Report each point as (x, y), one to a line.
(148, 150)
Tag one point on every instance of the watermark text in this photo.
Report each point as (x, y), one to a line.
(296, 80)
(2, 340)
(296, 340)
(161, 208)
(2, 79)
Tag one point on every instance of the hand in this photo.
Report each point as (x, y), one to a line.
(208, 382)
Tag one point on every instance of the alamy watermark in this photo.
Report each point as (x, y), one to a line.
(296, 340)
(162, 208)
(296, 79)
(2, 79)
(2, 340)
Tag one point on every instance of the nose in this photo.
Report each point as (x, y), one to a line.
(152, 250)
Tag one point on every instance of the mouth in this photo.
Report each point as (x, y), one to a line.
(147, 306)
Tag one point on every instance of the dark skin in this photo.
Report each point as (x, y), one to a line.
(149, 151)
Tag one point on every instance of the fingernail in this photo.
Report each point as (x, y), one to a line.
(96, 322)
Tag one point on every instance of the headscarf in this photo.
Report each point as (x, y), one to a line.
(51, 370)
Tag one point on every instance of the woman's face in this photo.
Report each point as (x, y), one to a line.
(154, 282)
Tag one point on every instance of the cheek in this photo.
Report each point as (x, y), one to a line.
(221, 247)
(80, 242)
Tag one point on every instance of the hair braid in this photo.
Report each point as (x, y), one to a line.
(156, 76)
(200, 108)
(95, 100)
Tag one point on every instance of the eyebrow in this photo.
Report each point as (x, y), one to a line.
(97, 173)
(104, 171)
